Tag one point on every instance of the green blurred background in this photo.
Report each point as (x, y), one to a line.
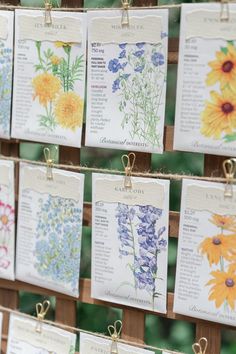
(159, 332)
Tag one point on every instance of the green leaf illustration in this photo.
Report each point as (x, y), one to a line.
(230, 137)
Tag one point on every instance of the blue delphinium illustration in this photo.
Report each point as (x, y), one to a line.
(58, 243)
(5, 87)
(139, 81)
(141, 240)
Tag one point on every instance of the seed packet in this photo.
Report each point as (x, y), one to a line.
(49, 228)
(24, 337)
(127, 68)
(206, 264)
(7, 220)
(205, 119)
(130, 241)
(49, 77)
(6, 55)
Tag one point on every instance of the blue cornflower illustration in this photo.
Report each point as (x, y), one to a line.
(122, 45)
(122, 54)
(5, 88)
(140, 45)
(116, 85)
(138, 53)
(139, 69)
(158, 59)
(114, 65)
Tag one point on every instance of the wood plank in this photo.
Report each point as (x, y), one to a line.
(8, 298)
(213, 334)
(133, 325)
(66, 311)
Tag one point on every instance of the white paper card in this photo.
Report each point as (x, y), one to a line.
(6, 55)
(206, 265)
(49, 229)
(7, 220)
(23, 338)
(127, 80)
(49, 77)
(130, 241)
(90, 344)
(205, 119)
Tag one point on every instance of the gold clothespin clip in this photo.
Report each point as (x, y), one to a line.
(128, 163)
(115, 332)
(201, 346)
(41, 310)
(229, 168)
(49, 161)
(48, 13)
(125, 12)
(224, 13)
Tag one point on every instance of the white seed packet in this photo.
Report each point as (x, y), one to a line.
(49, 77)
(205, 119)
(206, 264)
(7, 220)
(23, 338)
(127, 68)
(130, 241)
(90, 344)
(6, 56)
(49, 228)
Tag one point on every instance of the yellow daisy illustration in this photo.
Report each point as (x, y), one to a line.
(218, 246)
(60, 44)
(224, 222)
(69, 110)
(219, 115)
(46, 87)
(223, 69)
(223, 289)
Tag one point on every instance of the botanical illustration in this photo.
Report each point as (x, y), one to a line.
(7, 220)
(220, 251)
(219, 116)
(54, 86)
(58, 244)
(5, 88)
(139, 80)
(141, 242)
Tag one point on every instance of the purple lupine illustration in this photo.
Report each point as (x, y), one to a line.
(141, 239)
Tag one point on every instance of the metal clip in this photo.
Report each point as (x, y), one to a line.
(48, 14)
(128, 163)
(115, 332)
(49, 161)
(229, 168)
(41, 310)
(224, 13)
(201, 346)
(125, 12)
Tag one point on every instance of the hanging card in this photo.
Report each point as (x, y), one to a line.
(7, 220)
(206, 265)
(130, 241)
(90, 344)
(127, 80)
(23, 338)
(205, 119)
(6, 55)
(49, 77)
(49, 229)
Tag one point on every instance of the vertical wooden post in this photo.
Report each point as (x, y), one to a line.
(66, 311)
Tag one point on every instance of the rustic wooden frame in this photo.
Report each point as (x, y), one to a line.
(133, 319)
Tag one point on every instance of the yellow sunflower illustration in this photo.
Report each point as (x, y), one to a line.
(46, 87)
(218, 246)
(223, 69)
(223, 289)
(224, 222)
(219, 115)
(69, 110)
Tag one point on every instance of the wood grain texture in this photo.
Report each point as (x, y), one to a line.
(8, 298)
(66, 311)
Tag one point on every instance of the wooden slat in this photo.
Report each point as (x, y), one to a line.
(212, 332)
(66, 311)
(8, 298)
(133, 325)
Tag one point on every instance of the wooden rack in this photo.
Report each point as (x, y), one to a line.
(133, 319)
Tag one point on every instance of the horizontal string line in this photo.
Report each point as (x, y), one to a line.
(171, 176)
(79, 330)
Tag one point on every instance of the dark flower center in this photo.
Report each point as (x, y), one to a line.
(227, 107)
(216, 241)
(227, 66)
(229, 282)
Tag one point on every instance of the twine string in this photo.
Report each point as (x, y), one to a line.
(79, 168)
